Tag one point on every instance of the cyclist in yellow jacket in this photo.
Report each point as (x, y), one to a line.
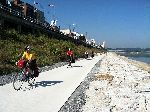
(27, 55)
(30, 61)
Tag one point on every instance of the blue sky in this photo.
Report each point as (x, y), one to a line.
(121, 23)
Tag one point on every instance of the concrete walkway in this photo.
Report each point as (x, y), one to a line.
(51, 91)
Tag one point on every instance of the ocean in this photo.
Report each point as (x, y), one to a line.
(142, 59)
(138, 56)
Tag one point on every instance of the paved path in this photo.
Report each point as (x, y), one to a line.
(52, 89)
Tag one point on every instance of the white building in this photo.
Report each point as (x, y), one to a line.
(88, 42)
(92, 42)
(103, 44)
(74, 35)
(66, 31)
(54, 23)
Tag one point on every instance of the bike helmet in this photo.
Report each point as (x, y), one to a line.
(27, 47)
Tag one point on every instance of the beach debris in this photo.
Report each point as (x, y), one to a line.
(104, 76)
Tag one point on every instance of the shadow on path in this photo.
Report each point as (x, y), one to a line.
(46, 83)
(88, 59)
(74, 66)
(77, 66)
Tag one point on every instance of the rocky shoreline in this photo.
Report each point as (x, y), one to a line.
(115, 84)
(138, 64)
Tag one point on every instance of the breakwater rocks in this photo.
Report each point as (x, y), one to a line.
(113, 85)
(119, 87)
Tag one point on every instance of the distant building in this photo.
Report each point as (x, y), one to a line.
(53, 23)
(87, 41)
(66, 31)
(103, 45)
(92, 42)
(40, 16)
(76, 35)
(16, 2)
(29, 11)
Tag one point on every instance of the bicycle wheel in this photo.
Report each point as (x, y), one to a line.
(18, 81)
(2, 82)
(31, 79)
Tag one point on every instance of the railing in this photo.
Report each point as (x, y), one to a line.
(11, 11)
(20, 14)
(46, 25)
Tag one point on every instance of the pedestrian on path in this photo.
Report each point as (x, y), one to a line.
(92, 55)
(86, 54)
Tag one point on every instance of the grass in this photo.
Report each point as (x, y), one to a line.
(46, 50)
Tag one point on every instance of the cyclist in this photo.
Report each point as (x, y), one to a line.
(70, 56)
(30, 61)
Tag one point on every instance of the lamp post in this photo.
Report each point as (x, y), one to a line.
(53, 15)
(73, 27)
(35, 12)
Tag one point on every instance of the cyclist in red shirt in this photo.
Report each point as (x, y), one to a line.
(70, 56)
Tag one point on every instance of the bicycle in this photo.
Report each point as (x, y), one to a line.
(25, 75)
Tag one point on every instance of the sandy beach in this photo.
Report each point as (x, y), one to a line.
(139, 64)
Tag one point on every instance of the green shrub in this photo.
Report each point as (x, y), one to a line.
(46, 50)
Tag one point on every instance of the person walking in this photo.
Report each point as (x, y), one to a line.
(92, 55)
(86, 54)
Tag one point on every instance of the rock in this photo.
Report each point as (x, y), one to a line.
(125, 92)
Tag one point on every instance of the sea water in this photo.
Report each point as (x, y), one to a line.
(142, 59)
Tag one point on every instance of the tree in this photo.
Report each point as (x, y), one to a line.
(82, 38)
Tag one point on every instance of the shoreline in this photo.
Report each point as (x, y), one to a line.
(139, 64)
(122, 85)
